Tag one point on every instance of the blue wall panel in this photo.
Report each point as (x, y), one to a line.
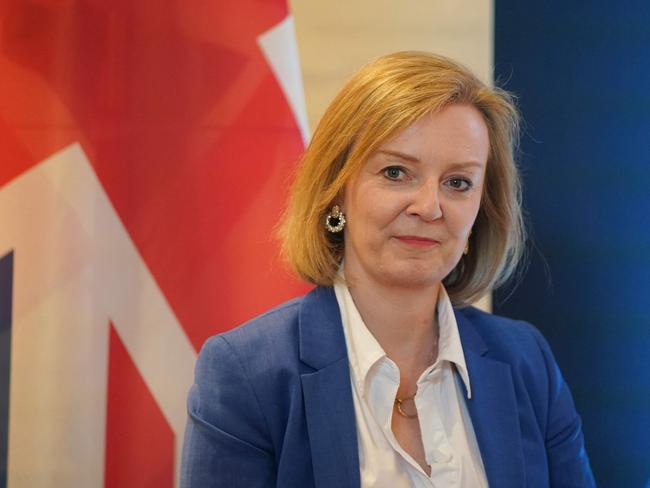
(582, 74)
(6, 281)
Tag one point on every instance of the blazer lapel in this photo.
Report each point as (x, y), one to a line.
(329, 408)
(493, 410)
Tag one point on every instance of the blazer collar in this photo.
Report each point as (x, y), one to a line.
(321, 332)
(327, 392)
(492, 408)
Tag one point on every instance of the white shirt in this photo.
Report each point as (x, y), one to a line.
(448, 438)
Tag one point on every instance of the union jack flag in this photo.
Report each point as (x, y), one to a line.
(145, 148)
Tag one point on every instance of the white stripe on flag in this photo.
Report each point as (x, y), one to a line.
(280, 49)
(75, 270)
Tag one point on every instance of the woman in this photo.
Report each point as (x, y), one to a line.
(404, 210)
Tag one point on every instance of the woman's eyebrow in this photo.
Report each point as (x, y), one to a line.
(401, 155)
(467, 164)
(413, 159)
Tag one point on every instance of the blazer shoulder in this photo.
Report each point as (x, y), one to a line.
(277, 321)
(502, 333)
(516, 342)
(259, 347)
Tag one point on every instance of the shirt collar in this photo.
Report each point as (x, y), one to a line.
(449, 346)
(364, 350)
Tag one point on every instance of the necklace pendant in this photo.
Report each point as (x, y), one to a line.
(398, 405)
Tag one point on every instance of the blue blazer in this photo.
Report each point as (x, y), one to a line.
(272, 404)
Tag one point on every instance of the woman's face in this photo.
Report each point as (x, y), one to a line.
(411, 206)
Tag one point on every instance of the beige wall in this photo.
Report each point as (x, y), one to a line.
(335, 38)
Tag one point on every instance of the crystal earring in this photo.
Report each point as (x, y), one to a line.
(335, 220)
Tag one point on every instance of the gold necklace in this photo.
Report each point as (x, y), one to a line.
(398, 401)
(398, 405)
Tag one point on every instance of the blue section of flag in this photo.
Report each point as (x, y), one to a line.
(582, 71)
(6, 281)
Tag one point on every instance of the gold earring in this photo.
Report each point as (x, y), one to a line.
(466, 250)
(335, 220)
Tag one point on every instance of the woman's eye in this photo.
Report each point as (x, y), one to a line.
(460, 184)
(393, 173)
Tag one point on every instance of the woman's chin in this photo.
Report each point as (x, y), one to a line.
(412, 278)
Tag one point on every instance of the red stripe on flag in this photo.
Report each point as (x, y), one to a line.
(139, 441)
(14, 157)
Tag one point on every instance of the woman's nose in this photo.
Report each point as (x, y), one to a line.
(425, 202)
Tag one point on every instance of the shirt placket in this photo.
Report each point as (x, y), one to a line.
(381, 390)
(439, 453)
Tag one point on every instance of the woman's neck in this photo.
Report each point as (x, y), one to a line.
(402, 320)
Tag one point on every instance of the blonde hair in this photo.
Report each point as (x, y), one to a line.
(384, 97)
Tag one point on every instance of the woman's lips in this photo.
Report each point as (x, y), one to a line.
(417, 241)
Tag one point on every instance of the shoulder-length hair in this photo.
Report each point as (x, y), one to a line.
(386, 96)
